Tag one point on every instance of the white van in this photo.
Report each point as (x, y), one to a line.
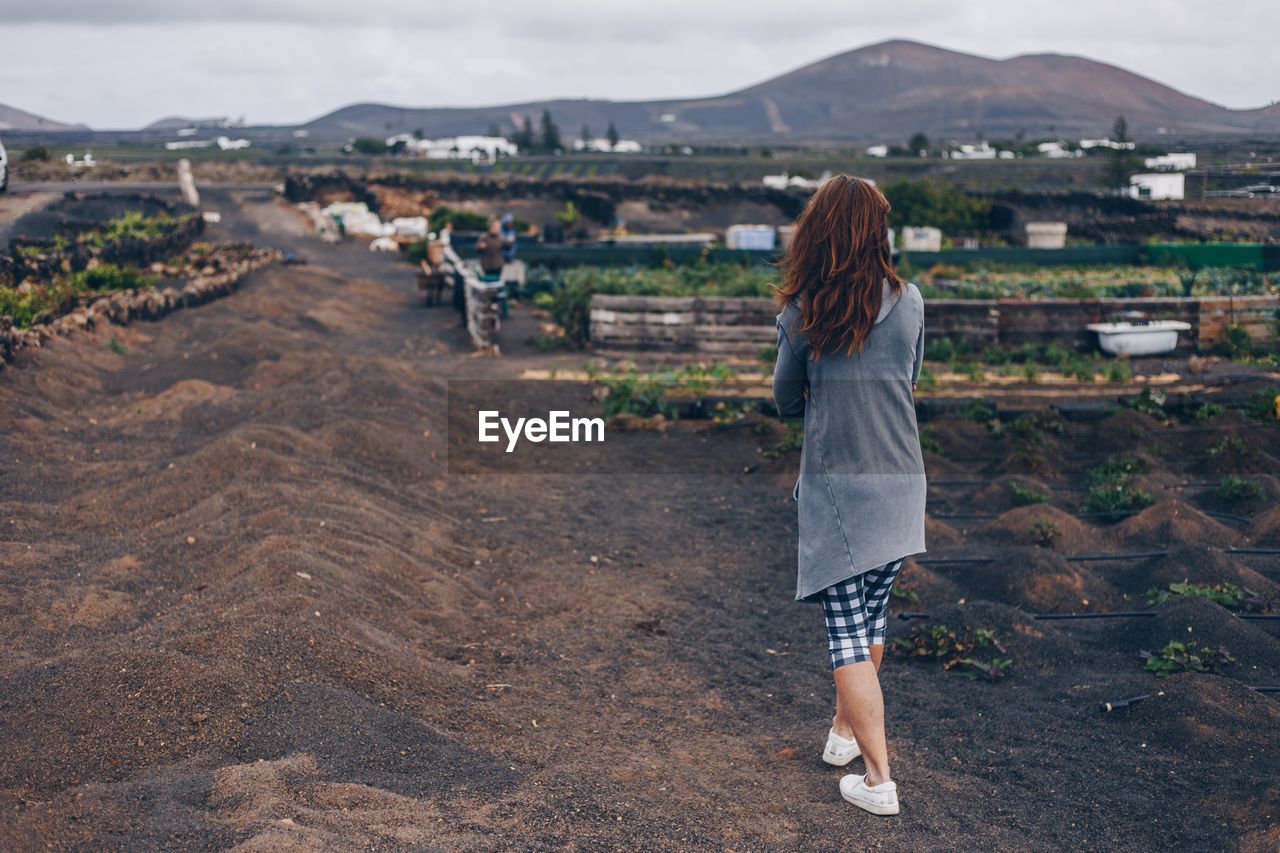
(4, 169)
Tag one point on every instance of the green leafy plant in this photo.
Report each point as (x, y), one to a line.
(1112, 490)
(901, 591)
(792, 439)
(1264, 405)
(1044, 532)
(1232, 489)
(1229, 445)
(1235, 342)
(929, 442)
(1151, 403)
(956, 648)
(1227, 594)
(1206, 412)
(978, 411)
(1026, 496)
(1119, 371)
(1185, 657)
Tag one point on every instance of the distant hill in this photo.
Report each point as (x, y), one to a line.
(178, 122)
(12, 118)
(880, 93)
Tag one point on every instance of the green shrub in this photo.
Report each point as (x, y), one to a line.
(1119, 371)
(939, 349)
(1206, 412)
(1235, 342)
(978, 411)
(1264, 405)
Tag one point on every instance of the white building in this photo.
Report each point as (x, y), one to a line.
(1158, 185)
(1057, 151)
(921, 239)
(601, 144)
(1046, 235)
(878, 151)
(1106, 143)
(785, 181)
(226, 143)
(1172, 162)
(981, 151)
(473, 148)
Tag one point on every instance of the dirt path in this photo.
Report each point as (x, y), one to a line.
(244, 604)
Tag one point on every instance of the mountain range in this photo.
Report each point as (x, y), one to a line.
(880, 93)
(12, 118)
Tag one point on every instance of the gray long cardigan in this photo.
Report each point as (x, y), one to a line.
(861, 489)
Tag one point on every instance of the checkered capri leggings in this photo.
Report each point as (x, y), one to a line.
(856, 613)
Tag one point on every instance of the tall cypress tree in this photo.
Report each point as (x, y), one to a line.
(550, 133)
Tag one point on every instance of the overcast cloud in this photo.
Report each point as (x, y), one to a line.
(125, 64)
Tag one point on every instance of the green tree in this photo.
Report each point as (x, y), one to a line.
(522, 136)
(586, 136)
(918, 142)
(936, 204)
(612, 135)
(550, 133)
(1120, 162)
(369, 145)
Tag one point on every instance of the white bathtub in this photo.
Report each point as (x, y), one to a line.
(1152, 337)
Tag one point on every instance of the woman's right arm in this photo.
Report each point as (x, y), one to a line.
(789, 378)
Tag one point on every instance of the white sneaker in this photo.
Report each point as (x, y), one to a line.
(839, 751)
(881, 799)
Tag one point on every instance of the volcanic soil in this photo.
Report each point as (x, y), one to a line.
(246, 604)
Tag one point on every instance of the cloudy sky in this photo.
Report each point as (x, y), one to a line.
(124, 63)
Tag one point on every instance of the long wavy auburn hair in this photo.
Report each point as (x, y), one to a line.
(834, 265)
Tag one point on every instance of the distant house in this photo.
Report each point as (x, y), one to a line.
(878, 151)
(980, 151)
(1057, 151)
(1158, 185)
(1106, 143)
(785, 181)
(602, 144)
(1172, 162)
(226, 143)
(473, 148)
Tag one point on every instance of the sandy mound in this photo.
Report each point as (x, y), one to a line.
(940, 534)
(1038, 580)
(1192, 619)
(998, 495)
(1171, 522)
(1044, 526)
(1265, 529)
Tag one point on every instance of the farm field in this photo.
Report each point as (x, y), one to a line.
(246, 603)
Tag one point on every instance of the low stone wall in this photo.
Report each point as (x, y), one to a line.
(151, 303)
(743, 326)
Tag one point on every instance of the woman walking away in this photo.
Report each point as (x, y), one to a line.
(850, 343)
